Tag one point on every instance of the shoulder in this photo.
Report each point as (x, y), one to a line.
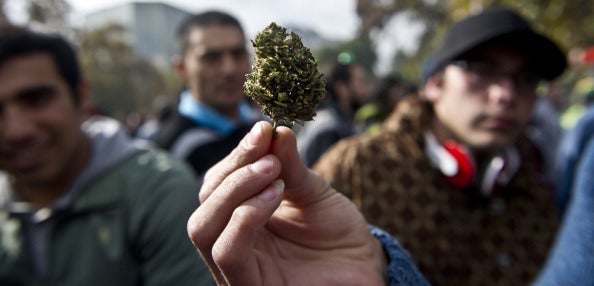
(387, 144)
(152, 183)
(172, 128)
(586, 164)
(347, 152)
(153, 167)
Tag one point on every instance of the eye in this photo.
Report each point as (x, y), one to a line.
(484, 70)
(526, 81)
(239, 53)
(211, 57)
(480, 69)
(37, 97)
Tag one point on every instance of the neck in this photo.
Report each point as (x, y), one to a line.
(230, 112)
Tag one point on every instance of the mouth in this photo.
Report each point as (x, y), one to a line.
(502, 123)
(22, 161)
(232, 85)
(498, 123)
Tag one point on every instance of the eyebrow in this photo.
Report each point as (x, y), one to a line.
(42, 88)
(25, 94)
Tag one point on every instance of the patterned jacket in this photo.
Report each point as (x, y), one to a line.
(456, 236)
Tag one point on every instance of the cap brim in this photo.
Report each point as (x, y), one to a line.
(545, 58)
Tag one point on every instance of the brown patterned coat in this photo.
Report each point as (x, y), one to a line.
(456, 237)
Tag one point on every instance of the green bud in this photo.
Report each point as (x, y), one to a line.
(285, 79)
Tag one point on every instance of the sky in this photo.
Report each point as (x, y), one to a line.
(335, 19)
(332, 19)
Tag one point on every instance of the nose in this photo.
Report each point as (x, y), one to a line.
(228, 63)
(502, 91)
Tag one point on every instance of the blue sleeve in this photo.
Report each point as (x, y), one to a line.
(571, 261)
(570, 151)
(401, 269)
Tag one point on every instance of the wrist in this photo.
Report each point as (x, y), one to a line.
(400, 268)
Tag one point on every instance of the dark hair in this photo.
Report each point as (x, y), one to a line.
(335, 73)
(18, 41)
(201, 20)
(388, 83)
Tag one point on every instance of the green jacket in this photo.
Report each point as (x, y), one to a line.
(124, 225)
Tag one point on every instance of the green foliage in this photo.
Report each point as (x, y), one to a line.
(120, 82)
(285, 79)
(567, 22)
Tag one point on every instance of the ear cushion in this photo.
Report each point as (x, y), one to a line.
(457, 165)
(454, 162)
(466, 171)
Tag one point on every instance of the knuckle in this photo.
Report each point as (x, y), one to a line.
(223, 257)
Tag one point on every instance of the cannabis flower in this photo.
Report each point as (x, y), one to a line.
(285, 79)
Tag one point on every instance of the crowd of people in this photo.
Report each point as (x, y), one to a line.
(460, 180)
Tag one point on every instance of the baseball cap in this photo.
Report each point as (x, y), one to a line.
(493, 26)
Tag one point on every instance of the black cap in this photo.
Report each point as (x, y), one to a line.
(499, 25)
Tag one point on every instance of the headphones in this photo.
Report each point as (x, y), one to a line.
(458, 166)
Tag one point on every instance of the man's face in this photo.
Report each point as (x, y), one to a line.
(484, 100)
(40, 135)
(359, 85)
(214, 66)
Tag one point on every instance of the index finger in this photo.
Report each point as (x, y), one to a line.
(252, 147)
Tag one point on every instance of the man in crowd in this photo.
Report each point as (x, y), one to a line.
(80, 204)
(213, 113)
(348, 87)
(452, 174)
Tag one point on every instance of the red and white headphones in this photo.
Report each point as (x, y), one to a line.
(458, 166)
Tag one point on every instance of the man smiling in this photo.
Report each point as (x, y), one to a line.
(213, 113)
(80, 204)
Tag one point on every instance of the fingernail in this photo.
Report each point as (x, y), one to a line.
(255, 135)
(264, 165)
(272, 191)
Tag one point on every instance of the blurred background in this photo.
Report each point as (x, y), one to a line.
(126, 46)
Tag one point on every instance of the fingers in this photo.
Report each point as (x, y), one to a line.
(234, 252)
(253, 146)
(232, 210)
(208, 221)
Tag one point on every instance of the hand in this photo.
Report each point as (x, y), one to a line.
(265, 219)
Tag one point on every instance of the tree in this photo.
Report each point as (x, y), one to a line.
(120, 82)
(567, 22)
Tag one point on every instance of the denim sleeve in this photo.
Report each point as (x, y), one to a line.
(401, 269)
(572, 258)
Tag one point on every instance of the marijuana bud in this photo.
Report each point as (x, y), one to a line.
(285, 79)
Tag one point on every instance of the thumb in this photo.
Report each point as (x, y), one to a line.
(300, 181)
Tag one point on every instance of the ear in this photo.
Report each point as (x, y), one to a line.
(84, 101)
(83, 94)
(432, 88)
(177, 64)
